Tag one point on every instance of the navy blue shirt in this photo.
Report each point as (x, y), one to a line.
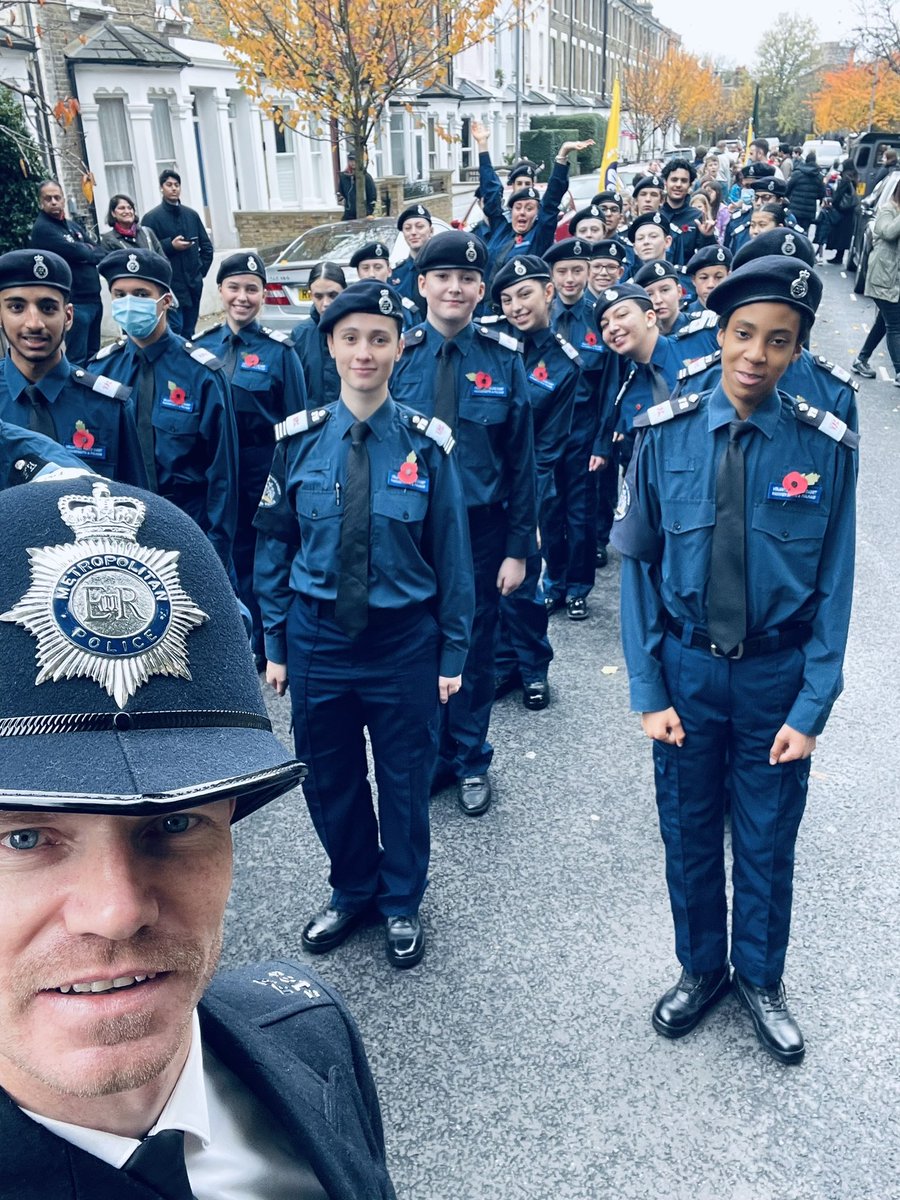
(636, 393)
(405, 279)
(323, 384)
(495, 451)
(266, 379)
(686, 237)
(576, 323)
(553, 370)
(799, 548)
(194, 435)
(503, 240)
(92, 414)
(419, 535)
(25, 456)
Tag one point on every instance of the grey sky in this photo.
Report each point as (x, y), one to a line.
(732, 33)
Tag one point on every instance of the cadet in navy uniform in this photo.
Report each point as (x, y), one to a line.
(90, 414)
(129, 1070)
(365, 580)
(25, 456)
(524, 292)
(184, 412)
(662, 283)
(472, 378)
(706, 270)
(417, 227)
(568, 519)
(372, 261)
(326, 282)
(266, 386)
(737, 533)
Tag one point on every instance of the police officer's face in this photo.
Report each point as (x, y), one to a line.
(591, 229)
(451, 296)
(647, 200)
(374, 268)
(112, 927)
(678, 184)
(417, 231)
(35, 321)
(324, 292)
(51, 200)
(526, 305)
(242, 297)
(761, 222)
(628, 329)
(365, 348)
(758, 344)
(650, 243)
(706, 279)
(604, 272)
(523, 215)
(666, 297)
(570, 278)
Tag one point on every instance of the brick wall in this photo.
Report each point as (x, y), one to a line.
(278, 228)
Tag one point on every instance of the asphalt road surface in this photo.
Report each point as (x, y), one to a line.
(517, 1062)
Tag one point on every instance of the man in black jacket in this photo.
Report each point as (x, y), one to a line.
(347, 190)
(53, 230)
(186, 244)
(128, 1069)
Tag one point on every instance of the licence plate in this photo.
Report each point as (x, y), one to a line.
(303, 294)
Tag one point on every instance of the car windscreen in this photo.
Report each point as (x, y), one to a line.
(335, 243)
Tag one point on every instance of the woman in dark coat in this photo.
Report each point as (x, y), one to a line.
(126, 232)
(843, 206)
(805, 189)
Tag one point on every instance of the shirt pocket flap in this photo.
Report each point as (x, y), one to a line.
(683, 516)
(404, 504)
(483, 410)
(791, 521)
(176, 421)
(316, 504)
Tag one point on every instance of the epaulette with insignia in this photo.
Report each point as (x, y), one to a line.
(410, 304)
(826, 422)
(569, 350)
(439, 431)
(204, 357)
(509, 343)
(102, 384)
(699, 365)
(112, 348)
(490, 319)
(838, 372)
(300, 422)
(210, 329)
(277, 335)
(413, 338)
(678, 406)
(707, 320)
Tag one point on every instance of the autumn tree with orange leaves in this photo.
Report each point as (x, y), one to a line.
(342, 60)
(856, 97)
(679, 91)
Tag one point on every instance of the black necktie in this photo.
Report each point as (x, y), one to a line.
(39, 419)
(726, 604)
(231, 352)
(564, 322)
(658, 385)
(146, 392)
(158, 1162)
(445, 404)
(352, 606)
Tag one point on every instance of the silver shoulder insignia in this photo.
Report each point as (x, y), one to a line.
(105, 607)
(838, 372)
(677, 406)
(112, 348)
(300, 422)
(829, 424)
(276, 335)
(204, 357)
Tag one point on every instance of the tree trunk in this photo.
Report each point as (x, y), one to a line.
(359, 145)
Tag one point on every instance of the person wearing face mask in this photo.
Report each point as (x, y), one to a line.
(88, 414)
(184, 410)
(326, 282)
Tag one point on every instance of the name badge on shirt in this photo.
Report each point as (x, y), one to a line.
(87, 451)
(777, 491)
(419, 484)
(251, 363)
(180, 403)
(541, 379)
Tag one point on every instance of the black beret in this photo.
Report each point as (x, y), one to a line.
(654, 218)
(241, 264)
(517, 270)
(523, 167)
(770, 184)
(607, 198)
(35, 268)
(128, 682)
(414, 210)
(708, 256)
(573, 248)
(137, 264)
(528, 193)
(370, 250)
(453, 250)
(789, 242)
(773, 279)
(366, 296)
(591, 213)
(621, 291)
(609, 248)
(652, 272)
(647, 181)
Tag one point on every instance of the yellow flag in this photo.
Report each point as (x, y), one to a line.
(750, 136)
(610, 165)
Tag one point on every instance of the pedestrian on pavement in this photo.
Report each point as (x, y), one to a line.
(888, 164)
(67, 237)
(125, 230)
(805, 189)
(737, 580)
(186, 245)
(843, 212)
(883, 286)
(364, 577)
(134, 736)
(347, 190)
(326, 282)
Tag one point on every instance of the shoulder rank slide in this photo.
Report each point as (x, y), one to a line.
(492, 319)
(840, 373)
(210, 329)
(413, 338)
(112, 348)
(826, 423)
(569, 350)
(706, 320)
(438, 431)
(276, 335)
(102, 384)
(300, 422)
(699, 365)
(205, 357)
(503, 339)
(660, 413)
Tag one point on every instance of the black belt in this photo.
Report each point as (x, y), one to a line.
(751, 647)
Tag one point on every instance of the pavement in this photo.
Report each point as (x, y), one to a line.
(517, 1062)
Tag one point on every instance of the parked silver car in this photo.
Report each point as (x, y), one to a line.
(287, 298)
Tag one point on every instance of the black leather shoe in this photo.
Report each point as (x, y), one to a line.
(536, 695)
(680, 1009)
(776, 1029)
(576, 608)
(475, 795)
(504, 684)
(405, 941)
(329, 928)
(554, 604)
(602, 556)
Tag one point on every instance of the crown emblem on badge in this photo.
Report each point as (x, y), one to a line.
(800, 287)
(576, 249)
(659, 270)
(420, 210)
(595, 211)
(105, 607)
(384, 302)
(132, 264)
(610, 295)
(657, 219)
(720, 255)
(252, 264)
(519, 267)
(379, 250)
(41, 270)
(471, 252)
(790, 246)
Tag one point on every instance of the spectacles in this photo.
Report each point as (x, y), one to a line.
(609, 208)
(605, 268)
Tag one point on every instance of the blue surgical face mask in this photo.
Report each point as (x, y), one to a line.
(137, 315)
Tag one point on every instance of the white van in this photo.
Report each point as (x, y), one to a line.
(826, 152)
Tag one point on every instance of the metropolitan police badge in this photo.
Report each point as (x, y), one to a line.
(132, 264)
(471, 252)
(519, 267)
(800, 288)
(41, 270)
(105, 607)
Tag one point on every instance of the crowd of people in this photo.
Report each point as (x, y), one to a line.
(401, 495)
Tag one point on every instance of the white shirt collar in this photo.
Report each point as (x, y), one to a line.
(185, 1109)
